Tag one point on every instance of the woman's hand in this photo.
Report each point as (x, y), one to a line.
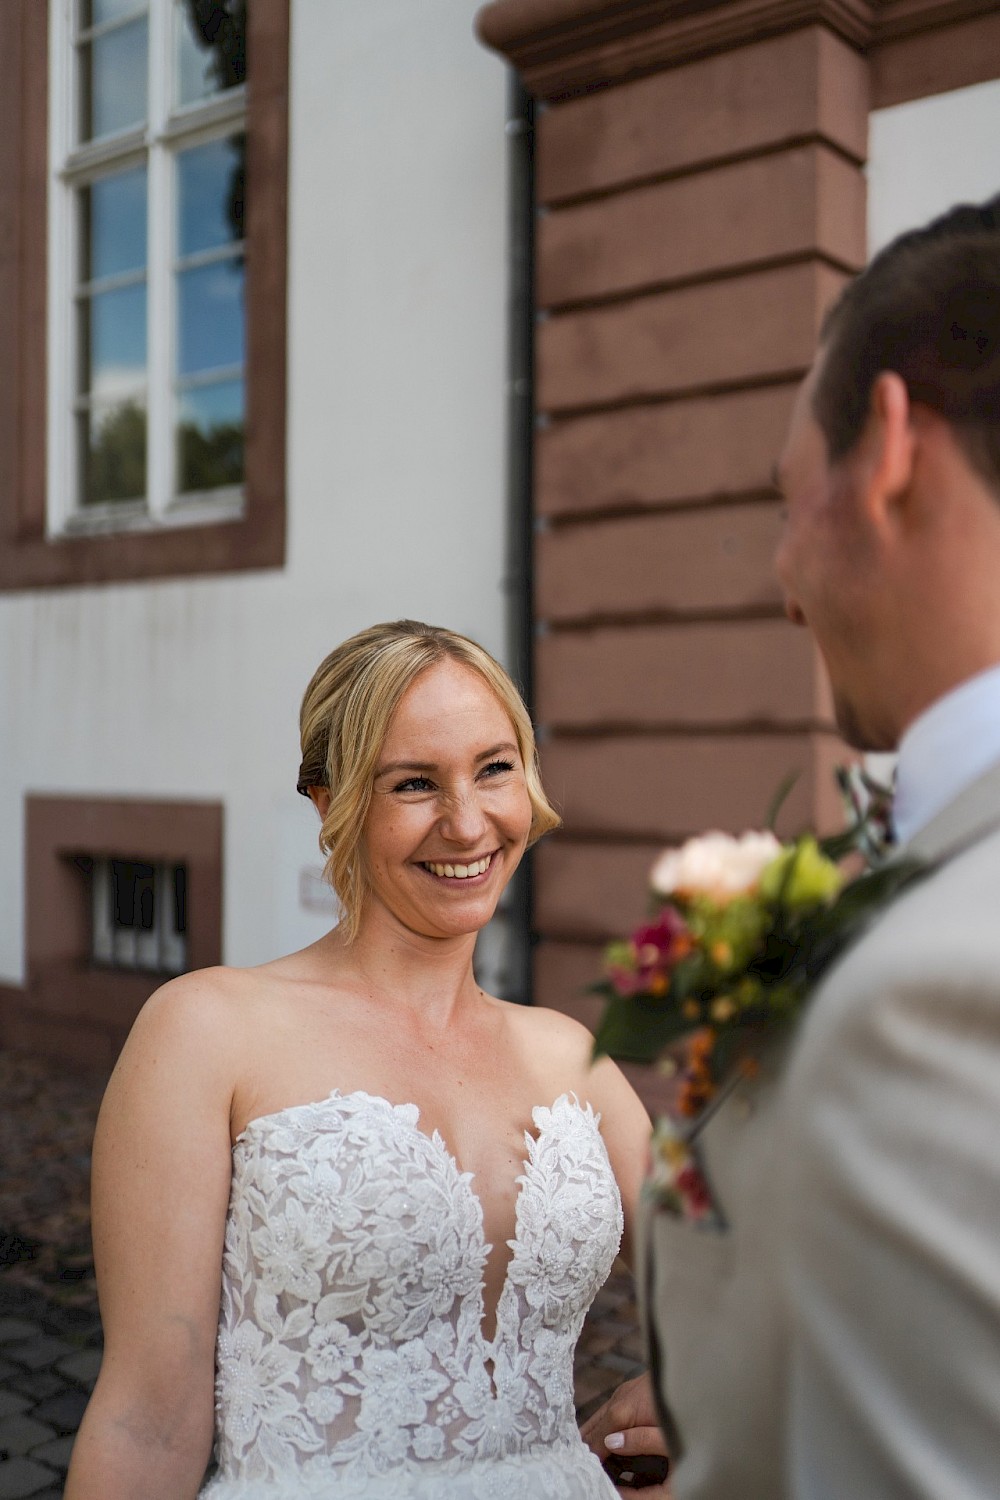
(628, 1420)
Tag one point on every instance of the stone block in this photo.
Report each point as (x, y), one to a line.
(21, 1433)
(21, 1477)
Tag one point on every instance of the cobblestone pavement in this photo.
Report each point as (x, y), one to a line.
(50, 1332)
(49, 1358)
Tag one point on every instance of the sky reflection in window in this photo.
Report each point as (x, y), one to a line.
(114, 225)
(206, 189)
(113, 342)
(210, 317)
(113, 91)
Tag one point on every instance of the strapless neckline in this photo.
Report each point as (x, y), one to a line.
(351, 1358)
(409, 1115)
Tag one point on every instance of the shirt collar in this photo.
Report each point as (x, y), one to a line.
(945, 749)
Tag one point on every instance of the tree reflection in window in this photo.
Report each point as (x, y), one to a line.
(115, 455)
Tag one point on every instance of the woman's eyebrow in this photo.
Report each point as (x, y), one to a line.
(406, 765)
(429, 765)
(497, 750)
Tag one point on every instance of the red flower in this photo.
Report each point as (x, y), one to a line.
(660, 936)
(694, 1190)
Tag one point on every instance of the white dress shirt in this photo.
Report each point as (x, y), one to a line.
(945, 749)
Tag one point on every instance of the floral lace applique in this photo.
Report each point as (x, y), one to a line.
(350, 1348)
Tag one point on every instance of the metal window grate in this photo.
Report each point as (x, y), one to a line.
(139, 915)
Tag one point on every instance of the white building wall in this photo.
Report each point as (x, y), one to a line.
(397, 334)
(929, 154)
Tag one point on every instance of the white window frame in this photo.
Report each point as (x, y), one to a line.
(71, 167)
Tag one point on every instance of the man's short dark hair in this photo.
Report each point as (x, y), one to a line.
(928, 307)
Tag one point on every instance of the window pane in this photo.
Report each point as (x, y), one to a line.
(97, 12)
(113, 342)
(210, 195)
(113, 81)
(113, 453)
(210, 317)
(114, 225)
(133, 893)
(210, 52)
(210, 437)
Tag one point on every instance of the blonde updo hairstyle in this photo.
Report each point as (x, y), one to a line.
(344, 721)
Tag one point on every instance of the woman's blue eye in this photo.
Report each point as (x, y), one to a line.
(497, 767)
(424, 784)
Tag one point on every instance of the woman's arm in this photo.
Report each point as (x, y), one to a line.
(160, 1192)
(626, 1129)
(629, 1417)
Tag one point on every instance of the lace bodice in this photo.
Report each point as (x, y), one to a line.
(351, 1355)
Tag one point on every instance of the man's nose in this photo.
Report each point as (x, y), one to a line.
(794, 612)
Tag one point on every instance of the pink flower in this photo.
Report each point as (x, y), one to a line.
(715, 865)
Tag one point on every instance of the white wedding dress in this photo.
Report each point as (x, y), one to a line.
(351, 1357)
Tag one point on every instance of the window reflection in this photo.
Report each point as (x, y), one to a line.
(113, 342)
(210, 317)
(210, 53)
(112, 448)
(113, 79)
(100, 12)
(210, 195)
(113, 238)
(195, 386)
(209, 284)
(210, 437)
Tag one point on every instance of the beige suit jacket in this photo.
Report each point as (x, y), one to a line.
(839, 1339)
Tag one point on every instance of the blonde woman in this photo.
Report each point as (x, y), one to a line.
(396, 1188)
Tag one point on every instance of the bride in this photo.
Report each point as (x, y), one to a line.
(349, 1210)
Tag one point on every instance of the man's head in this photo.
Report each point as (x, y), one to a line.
(892, 475)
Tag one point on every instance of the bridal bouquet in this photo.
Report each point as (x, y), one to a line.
(741, 929)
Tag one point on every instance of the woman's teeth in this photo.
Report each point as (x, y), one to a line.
(460, 872)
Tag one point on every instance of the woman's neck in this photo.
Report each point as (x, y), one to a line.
(432, 977)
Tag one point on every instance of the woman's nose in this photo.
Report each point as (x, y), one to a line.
(463, 820)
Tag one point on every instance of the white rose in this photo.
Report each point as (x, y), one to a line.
(716, 865)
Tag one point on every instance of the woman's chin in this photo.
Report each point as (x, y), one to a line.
(457, 919)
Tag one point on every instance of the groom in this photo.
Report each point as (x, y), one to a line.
(839, 1337)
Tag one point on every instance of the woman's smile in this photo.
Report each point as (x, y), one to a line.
(465, 872)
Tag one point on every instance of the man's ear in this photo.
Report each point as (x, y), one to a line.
(319, 796)
(890, 442)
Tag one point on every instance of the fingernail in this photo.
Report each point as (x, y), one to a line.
(615, 1440)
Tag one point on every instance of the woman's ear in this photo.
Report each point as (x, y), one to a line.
(319, 796)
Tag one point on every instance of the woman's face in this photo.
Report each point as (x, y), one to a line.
(450, 813)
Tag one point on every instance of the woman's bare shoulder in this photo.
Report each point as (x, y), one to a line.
(553, 1032)
(202, 1018)
(563, 1050)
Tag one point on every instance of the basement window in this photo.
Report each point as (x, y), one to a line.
(139, 916)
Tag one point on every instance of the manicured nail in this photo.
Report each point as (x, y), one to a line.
(615, 1440)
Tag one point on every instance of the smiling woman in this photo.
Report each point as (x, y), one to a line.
(382, 1199)
(358, 741)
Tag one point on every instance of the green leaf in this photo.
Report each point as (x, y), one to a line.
(780, 798)
(637, 1029)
